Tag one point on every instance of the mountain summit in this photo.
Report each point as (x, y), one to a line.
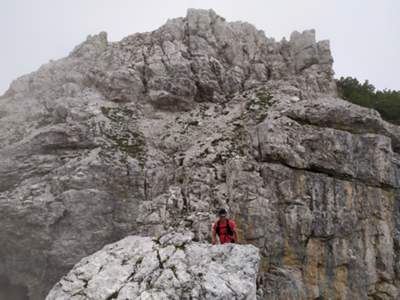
(158, 131)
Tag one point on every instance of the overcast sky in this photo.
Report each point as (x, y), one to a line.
(364, 34)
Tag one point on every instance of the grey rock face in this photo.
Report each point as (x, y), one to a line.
(157, 131)
(172, 267)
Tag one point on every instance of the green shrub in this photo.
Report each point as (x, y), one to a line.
(386, 102)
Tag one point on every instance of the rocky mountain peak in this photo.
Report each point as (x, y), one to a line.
(203, 56)
(154, 133)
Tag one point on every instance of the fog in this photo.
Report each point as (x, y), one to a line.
(12, 292)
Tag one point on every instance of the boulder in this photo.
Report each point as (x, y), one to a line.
(169, 267)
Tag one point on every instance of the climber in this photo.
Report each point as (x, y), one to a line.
(224, 228)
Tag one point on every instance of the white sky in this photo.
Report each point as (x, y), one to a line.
(364, 34)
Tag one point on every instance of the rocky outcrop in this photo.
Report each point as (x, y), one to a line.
(157, 131)
(170, 267)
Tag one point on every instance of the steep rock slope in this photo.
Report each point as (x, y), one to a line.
(160, 129)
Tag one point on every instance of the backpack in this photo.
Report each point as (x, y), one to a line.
(229, 230)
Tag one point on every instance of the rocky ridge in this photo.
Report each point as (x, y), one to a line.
(158, 130)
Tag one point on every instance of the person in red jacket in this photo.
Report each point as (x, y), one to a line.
(224, 228)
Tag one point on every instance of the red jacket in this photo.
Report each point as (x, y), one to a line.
(224, 237)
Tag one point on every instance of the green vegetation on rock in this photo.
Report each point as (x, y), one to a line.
(260, 104)
(124, 132)
(386, 102)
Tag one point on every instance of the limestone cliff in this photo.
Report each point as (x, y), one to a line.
(159, 130)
